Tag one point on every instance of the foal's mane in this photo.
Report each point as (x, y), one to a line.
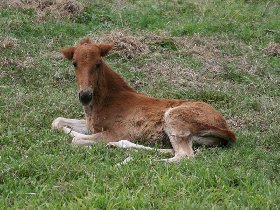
(111, 80)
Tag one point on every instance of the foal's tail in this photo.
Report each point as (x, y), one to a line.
(215, 137)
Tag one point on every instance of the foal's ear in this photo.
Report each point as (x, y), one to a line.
(105, 49)
(68, 52)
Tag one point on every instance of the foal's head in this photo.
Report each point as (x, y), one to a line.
(87, 60)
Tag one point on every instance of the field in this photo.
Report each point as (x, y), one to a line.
(226, 53)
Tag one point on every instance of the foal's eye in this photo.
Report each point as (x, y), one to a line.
(75, 64)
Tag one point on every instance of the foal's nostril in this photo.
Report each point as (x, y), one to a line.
(85, 97)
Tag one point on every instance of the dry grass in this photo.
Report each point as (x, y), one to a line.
(8, 42)
(126, 44)
(54, 55)
(47, 8)
(273, 49)
(23, 63)
(26, 62)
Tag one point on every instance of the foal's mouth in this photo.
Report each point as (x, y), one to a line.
(85, 97)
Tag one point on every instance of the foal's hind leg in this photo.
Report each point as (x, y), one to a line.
(78, 126)
(179, 135)
(182, 146)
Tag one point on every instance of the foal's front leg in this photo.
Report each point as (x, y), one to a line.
(73, 124)
(87, 140)
(78, 130)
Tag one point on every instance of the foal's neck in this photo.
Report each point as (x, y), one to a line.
(107, 85)
(113, 82)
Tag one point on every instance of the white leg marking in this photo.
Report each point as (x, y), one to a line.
(82, 142)
(76, 125)
(129, 145)
(79, 138)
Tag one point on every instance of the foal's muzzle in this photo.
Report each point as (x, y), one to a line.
(85, 97)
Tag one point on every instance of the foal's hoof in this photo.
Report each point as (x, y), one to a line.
(57, 123)
(112, 144)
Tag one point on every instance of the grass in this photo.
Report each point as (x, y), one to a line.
(212, 51)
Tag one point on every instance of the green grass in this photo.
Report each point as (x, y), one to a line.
(218, 58)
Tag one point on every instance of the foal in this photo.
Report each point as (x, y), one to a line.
(117, 115)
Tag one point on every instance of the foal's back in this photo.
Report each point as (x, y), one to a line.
(145, 117)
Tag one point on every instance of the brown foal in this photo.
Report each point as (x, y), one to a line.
(118, 115)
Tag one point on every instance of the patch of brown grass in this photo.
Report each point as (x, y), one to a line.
(8, 42)
(236, 123)
(47, 8)
(6, 63)
(19, 63)
(273, 49)
(126, 45)
(54, 55)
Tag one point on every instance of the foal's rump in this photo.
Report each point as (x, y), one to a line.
(202, 122)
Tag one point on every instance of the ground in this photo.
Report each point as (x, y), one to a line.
(226, 53)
